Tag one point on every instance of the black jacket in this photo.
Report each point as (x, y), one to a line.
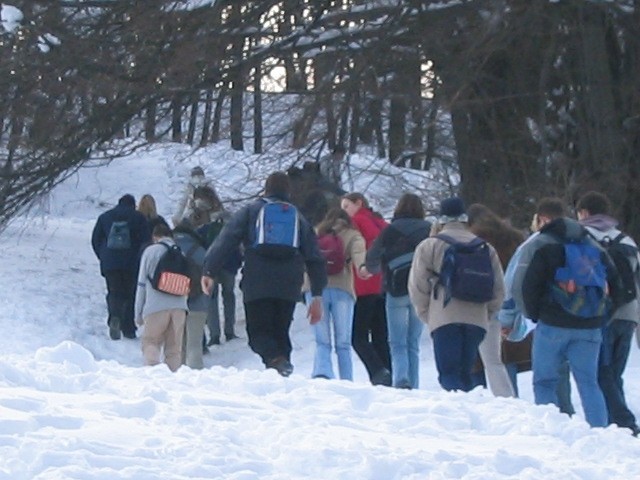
(264, 277)
(401, 236)
(539, 276)
(120, 259)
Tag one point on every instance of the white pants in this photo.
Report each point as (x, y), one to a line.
(497, 376)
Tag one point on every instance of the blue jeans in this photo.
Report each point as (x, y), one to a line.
(580, 347)
(405, 330)
(455, 348)
(225, 281)
(613, 360)
(337, 314)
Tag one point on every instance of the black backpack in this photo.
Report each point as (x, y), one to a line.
(172, 274)
(398, 257)
(619, 253)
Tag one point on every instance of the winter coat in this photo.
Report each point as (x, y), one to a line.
(148, 299)
(210, 231)
(126, 259)
(378, 255)
(370, 226)
(427, 297)
(186, 203)
(265, 277)
(548, 256)
(601, 227)
(354, 253)
(192, 246)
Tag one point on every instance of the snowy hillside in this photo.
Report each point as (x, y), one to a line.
(76, 405)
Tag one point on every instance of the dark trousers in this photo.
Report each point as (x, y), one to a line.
(370, 339)
(616, 343)
(226, 282)
(268, 322)
(455, 348)
(121, 293)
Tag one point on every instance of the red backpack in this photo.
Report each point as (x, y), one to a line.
(332, 250)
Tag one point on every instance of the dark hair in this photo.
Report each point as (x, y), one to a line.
(277, 184)
(479, 213)
(128, 200)
(595, 203)
(409, 206)
(486, 224)
(162, 230)
(333, 215)
(355, 196)
(551, 207)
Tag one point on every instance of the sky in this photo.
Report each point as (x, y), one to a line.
(76, 405)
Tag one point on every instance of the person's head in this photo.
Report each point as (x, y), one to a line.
(409, 206)
(147, 206)
(127, 200)
(197, 176)
(161, 231)
(352, 202)
(548, 209)
(481, 216)
(277, 184)
(452, 210)
(332, 217)
(593, 203)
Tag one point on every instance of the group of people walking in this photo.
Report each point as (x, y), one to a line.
(566, 297)
(130, 242)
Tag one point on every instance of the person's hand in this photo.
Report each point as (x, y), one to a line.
(314, 312)
(207, 284)
(505, 331)
(363, 273)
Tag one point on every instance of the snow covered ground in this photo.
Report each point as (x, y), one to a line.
(76, 405)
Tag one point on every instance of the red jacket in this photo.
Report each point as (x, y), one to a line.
(370, 227)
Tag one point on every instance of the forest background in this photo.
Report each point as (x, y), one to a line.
(516, 99)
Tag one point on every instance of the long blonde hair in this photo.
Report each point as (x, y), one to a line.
(147, 206)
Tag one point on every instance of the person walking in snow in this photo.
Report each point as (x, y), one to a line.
(505, 239)
(273, 269)
(338, 299)
(162, 314)
(563, 333)
(457, 319)
(147, 207)
(117, 239)
(192, 246)
(392, 253)
(370, 336)
(199, 197)
(593, 213)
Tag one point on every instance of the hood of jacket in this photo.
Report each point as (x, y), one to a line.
(565, 228)
(600, 222)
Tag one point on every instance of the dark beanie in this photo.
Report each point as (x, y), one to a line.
(452, 209)
(127, 200)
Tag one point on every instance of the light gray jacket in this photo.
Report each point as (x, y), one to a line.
(423, 278)
(148, 299)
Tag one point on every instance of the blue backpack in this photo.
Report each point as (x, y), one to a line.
(580, 286)
(277, 232)
(466, 272)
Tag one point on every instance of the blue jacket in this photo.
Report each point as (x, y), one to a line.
(128, 259)
(264, 277)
